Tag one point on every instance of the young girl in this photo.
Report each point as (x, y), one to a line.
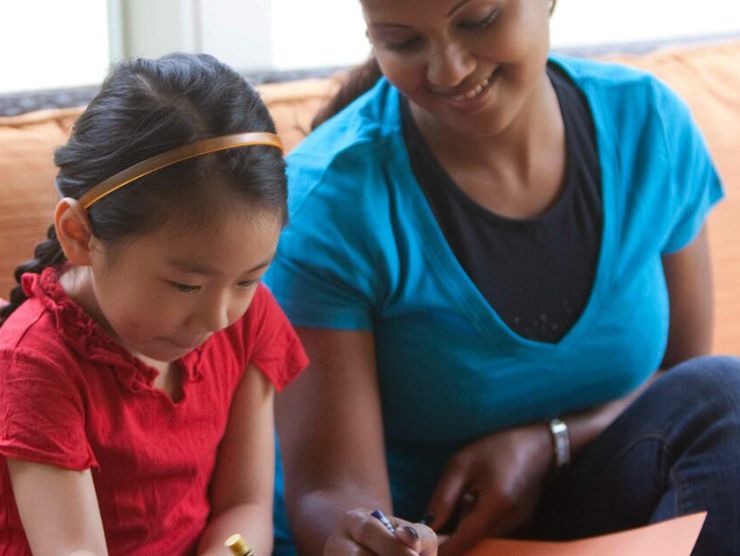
(139, 353)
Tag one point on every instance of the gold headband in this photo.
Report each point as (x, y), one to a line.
(168, 158)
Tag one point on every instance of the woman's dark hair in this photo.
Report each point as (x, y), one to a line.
(146, 107)
(359, 80)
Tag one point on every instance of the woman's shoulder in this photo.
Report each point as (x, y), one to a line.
(347, 157)
(358, 131)
(626, 101)
(616, 84)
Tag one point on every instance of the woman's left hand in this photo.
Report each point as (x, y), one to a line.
(493, 484)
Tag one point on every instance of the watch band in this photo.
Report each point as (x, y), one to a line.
(560, 442)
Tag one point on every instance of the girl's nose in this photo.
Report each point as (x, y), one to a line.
(449, 64)
(214, 313)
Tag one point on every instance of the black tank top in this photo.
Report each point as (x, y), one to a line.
(537, 274)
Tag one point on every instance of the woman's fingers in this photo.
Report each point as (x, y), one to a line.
(447, 496)
(360, 532)
(418, 537)
(473, 526)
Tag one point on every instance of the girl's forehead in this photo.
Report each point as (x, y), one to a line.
(230, 240)
(220, 224)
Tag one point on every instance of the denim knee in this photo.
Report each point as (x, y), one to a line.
(713, 379)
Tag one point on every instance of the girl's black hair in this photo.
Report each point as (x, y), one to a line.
(146, 107)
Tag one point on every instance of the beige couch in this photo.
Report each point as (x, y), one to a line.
(707, 76)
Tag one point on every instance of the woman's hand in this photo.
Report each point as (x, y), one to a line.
(360, 533)
(493, 485)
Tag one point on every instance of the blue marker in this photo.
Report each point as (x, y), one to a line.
(380, 516)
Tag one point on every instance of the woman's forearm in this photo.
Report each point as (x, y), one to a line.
(585, 426)
(316, 515)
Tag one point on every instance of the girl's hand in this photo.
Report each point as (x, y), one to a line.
(360, 533)
(493, 485)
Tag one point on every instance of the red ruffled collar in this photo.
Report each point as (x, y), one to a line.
(86, 337)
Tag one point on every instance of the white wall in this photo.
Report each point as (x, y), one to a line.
(303, 38)
(52, 43)
(578, 22)
(58, 43)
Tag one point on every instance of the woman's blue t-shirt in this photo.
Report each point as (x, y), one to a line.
(363, 251)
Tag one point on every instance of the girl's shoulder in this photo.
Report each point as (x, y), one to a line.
(51, 322)
(32, 329)
(266, 338)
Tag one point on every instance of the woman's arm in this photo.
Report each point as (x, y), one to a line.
(688, 275)
(331, 436)
(242, 484)
(689, 280)
(509, 466)
(58, 508)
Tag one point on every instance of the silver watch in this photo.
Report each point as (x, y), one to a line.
(560, 442)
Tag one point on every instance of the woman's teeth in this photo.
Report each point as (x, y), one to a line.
(474, 92)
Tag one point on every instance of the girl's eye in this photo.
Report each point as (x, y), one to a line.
(247, 283)
(481, 23)
(185, 288)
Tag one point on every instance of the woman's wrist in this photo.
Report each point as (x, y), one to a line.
(560, 437)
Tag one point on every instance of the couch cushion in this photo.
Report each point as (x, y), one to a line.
(293, 105)
(27, 194)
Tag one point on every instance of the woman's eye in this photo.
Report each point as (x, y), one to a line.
(481, 23)
(404, 45)
(185, 288)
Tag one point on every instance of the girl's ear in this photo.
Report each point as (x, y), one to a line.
(73, 231)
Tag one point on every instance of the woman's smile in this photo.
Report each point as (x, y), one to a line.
(475, 95)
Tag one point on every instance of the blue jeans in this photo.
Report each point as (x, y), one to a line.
(674, 451)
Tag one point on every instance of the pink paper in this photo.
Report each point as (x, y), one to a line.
(675, 537)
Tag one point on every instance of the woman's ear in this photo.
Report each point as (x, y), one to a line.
(73, 231)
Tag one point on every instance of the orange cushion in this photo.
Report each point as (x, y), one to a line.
(27, 194)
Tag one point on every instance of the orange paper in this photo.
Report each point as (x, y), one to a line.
(675, 537)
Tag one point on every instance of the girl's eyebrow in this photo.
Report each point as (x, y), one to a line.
(192, 267)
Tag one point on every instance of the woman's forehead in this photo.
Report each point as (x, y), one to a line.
(411, 9)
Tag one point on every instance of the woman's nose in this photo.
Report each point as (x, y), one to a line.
(449, 64)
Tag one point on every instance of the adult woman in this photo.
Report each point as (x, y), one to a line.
(482, 254)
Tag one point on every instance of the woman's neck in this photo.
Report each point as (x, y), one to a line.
(516, 172)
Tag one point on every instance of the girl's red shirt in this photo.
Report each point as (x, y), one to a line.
(70, 396)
